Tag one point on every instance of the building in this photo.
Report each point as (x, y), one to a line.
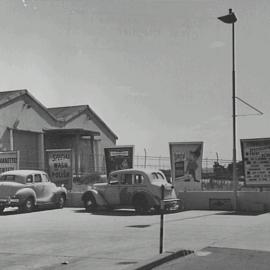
(30, 128)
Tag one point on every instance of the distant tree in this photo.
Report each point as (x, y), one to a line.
(239, 169)
(220, 172)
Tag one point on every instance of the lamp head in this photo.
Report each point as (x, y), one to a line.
(230, 18)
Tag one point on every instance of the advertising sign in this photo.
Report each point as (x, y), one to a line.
(9, 161)
(59, 166)
(186, 165)
(256, 160)
(119, 158)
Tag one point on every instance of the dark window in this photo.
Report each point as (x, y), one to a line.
(126, 179)
(37, 178)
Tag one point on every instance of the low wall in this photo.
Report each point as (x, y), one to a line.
(250, 201)
(223, 200)
(74, 199)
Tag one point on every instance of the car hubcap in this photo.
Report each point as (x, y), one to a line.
(89, 203)
(61, 201)
(28, 204)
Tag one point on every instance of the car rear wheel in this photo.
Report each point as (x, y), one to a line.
(61, 201)
(90, 204)
(141, 205)
(1, 209)
(28, 205)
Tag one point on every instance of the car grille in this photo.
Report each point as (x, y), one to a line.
(6, 191)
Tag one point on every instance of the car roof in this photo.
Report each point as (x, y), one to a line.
(146, 171)
(21, 172)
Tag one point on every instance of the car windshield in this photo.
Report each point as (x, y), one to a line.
(11, 178)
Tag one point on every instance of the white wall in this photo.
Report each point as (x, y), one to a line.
(27, 118)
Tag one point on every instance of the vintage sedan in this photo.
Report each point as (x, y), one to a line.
(28, 189)
(139, 189)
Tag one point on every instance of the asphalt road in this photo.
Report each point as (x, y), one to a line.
(73, 239)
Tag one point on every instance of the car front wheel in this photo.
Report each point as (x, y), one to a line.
(90, 204)
(61, 201)
(27, 206)
(1, 209)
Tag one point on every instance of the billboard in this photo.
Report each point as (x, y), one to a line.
(256, 161)
(119, 158)
(59, 166)
(9, 160)
(186, 165)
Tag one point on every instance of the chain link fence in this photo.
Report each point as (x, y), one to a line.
(216, 174)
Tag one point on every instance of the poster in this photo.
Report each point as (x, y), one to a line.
(9, 161)
(59, 166)
(186, 165)
(256, 160)
(119, 158)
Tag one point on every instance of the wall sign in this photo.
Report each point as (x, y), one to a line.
(119, 158)
(59, 166)
(186, 164)
(9, 160)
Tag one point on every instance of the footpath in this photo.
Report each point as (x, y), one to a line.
(248, 249)
(210, 258)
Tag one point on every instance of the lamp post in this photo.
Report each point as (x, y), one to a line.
(231, 19)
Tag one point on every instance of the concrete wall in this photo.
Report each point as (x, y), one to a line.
(74, 199)
(223, 200)
(249, 201)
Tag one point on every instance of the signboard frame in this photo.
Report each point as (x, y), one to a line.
(124, 151)
(17, 166)
(67, 181)
(186, 164)
(256, 145)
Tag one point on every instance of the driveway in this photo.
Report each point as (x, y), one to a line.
(70, 238)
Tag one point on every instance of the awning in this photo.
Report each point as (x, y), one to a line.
(72, 131)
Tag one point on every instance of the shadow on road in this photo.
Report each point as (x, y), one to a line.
(241, 213)
(109, 212)
(120, 212)
(15, 211)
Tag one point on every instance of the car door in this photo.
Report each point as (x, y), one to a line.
(126, 188)
(38, 186)
(48, 190)
(43, 188)
(111, 192)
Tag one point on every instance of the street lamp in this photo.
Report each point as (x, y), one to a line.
(231, 19)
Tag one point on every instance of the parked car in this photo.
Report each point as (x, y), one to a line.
(27, 189)
(139, 189)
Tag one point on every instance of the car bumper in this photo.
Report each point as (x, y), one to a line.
(8, 202)
(170, 204)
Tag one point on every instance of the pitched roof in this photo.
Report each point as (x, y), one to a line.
(66, 113)
(8, 96)
(69, 113)
(59, 114)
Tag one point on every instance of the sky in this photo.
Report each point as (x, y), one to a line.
(155, 71)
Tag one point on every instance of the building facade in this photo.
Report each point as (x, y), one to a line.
(29, 127)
